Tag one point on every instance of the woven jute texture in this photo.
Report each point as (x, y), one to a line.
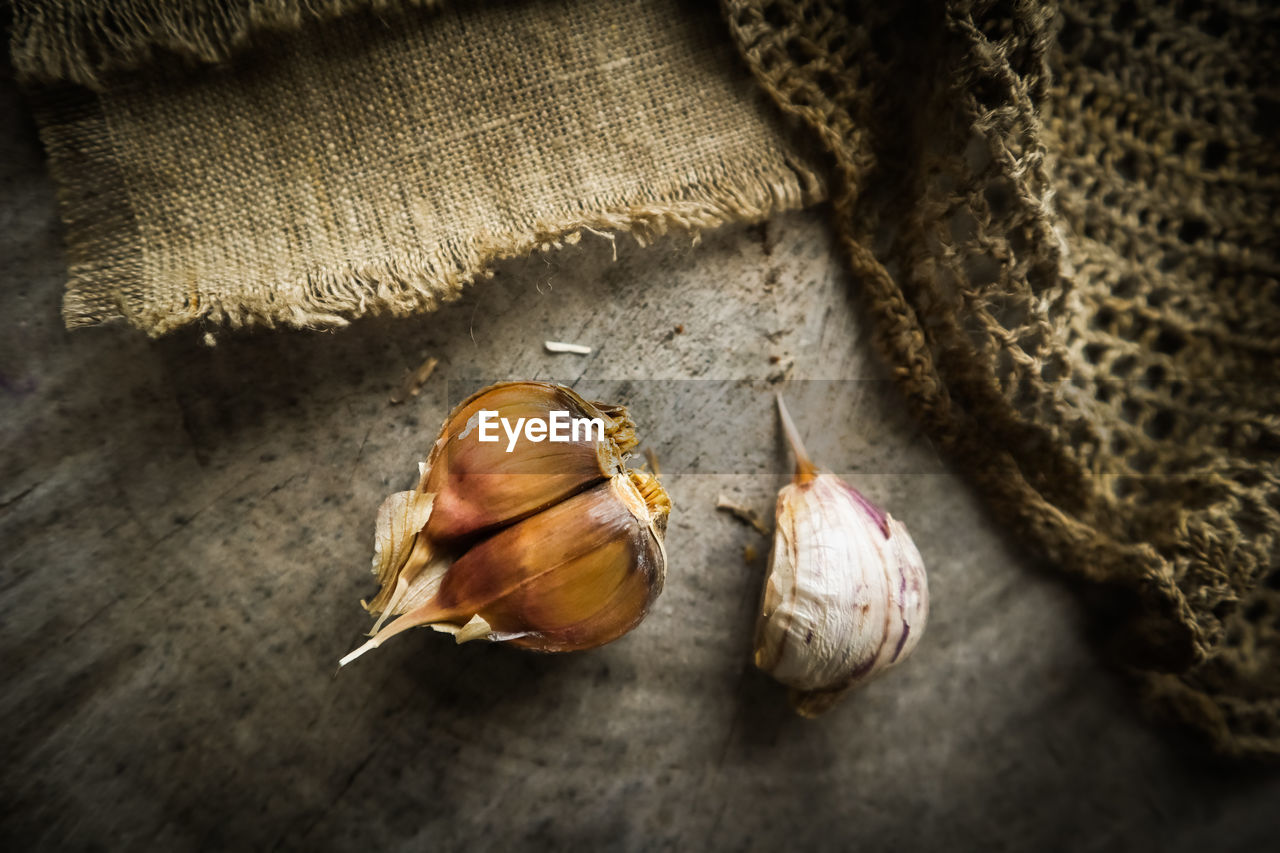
(376, 163)
(1064, 224)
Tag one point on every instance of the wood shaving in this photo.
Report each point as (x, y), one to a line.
(743, 514)
(414, 381)
(560, 346)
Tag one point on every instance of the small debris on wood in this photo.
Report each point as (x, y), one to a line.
(781, 372)
(749, 554)
(651, 457)
(414, 381)
(766, 239)
(743, 514)
(560, 346)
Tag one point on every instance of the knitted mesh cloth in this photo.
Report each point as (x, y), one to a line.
(1064, 225)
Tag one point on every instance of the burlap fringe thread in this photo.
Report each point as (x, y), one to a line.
(87, 41)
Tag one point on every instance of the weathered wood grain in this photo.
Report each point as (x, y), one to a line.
(187, 530)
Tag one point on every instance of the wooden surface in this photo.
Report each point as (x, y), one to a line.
(186, 533)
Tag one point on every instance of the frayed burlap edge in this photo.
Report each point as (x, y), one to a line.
(88, 42)
(108, 279)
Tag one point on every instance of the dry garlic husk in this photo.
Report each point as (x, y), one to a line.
(846, 596)
(554, 546)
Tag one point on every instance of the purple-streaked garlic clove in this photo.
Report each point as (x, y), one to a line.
(846, 596)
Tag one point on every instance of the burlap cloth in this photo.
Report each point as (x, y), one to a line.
(1063, 220)
(378, 161)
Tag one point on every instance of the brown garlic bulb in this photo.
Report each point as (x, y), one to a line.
(550, 545)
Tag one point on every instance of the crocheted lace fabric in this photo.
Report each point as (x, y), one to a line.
(1064, 225)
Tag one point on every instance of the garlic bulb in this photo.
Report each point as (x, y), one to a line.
(846, 595)
(548, 544)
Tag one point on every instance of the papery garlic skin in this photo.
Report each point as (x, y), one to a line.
(846, 595)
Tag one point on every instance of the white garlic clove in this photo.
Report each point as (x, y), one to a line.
(846, 595)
